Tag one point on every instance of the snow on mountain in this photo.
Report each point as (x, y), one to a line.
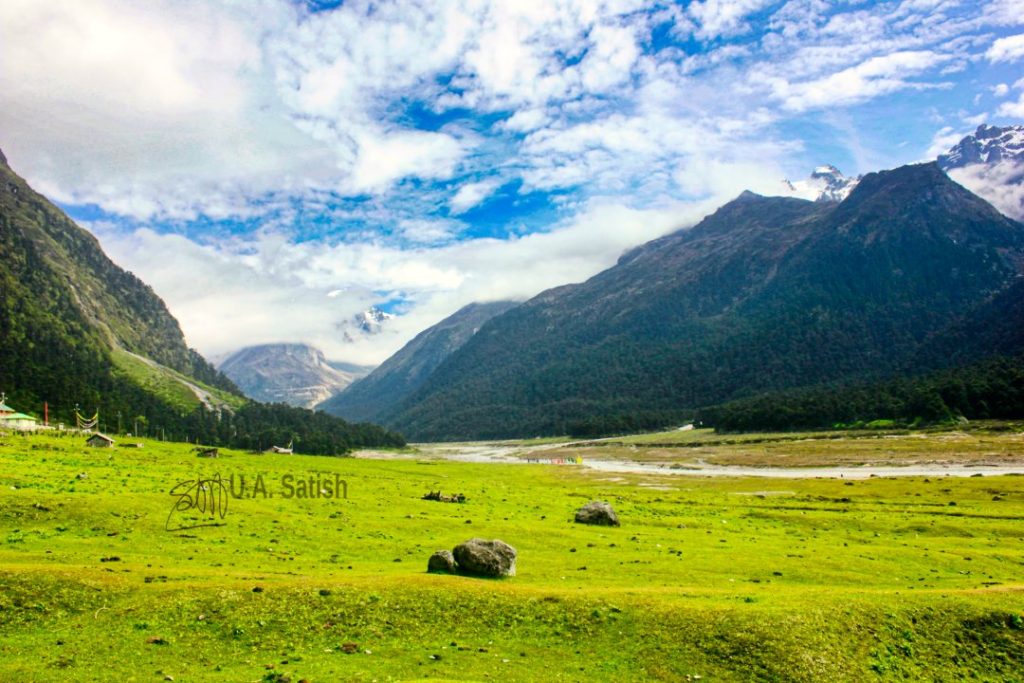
(987, 145)
(295, 374)
(364, 324)
(372, 320)
(990, 163)
(825, 184)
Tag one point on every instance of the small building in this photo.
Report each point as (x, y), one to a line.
(98, 440)
(208, 452)
(19, 422)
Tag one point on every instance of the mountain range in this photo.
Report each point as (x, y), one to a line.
(888, 275)
(766, 293)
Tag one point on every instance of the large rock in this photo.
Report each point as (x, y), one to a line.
(486, 558)
(597, 512)
(441, 562)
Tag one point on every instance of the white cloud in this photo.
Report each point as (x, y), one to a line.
(1002, 184)
(156, 109)
(1000, 90)
(943, 139)
(716, 18)
(384, 159)
(269, 289)
(362, 117)
(428, 231)
(472, 194)
(1012, 109)
(1008, 49)
(871, 78)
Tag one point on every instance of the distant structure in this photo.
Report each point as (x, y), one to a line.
(11, 419)
(287, 450)
(19, 422)
(98, 440)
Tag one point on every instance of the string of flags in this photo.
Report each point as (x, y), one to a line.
(89, 423)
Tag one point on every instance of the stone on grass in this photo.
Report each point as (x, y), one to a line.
(597, 512)
(486, 558)
(441, 562)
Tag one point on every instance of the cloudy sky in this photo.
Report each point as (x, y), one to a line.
(272, 167)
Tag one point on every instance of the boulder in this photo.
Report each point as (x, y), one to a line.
(441, 562)
(597, 512)
(486, 558)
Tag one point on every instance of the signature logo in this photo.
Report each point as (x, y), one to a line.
(209, 497)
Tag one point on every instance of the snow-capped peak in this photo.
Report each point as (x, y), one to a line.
(990, 163)
(372, 319)
(826, 184)
(987, 145)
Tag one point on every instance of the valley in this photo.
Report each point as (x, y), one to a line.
(576, 341)
(723, 575)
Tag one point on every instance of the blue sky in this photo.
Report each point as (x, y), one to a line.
(273, 167)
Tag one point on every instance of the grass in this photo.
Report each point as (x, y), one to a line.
(727, 579)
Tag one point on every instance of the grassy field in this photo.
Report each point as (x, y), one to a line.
(722, 579)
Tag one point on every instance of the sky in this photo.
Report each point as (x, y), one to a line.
(273, 167)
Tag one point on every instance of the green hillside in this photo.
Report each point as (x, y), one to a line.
(75, 329)
(765, 294)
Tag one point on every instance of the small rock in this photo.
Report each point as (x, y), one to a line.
(486, 558)
(441, 562)
(349, 648)
(597, 512)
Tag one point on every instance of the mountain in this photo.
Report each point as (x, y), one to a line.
(364, 324)
(825, 184)
(987, 145)
(295, 374)
(990, 162)
(766, 293)
(375, 396)
(75, 329)
(75, 326)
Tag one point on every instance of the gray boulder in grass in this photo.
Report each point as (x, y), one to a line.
(486, 558)
(441, 562)
(597, 512)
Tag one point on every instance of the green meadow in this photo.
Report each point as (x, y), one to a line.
(714, 579)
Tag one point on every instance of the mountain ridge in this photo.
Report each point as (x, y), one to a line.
(76, 331)
(764, 293)
(296, 374)
(373, 397)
